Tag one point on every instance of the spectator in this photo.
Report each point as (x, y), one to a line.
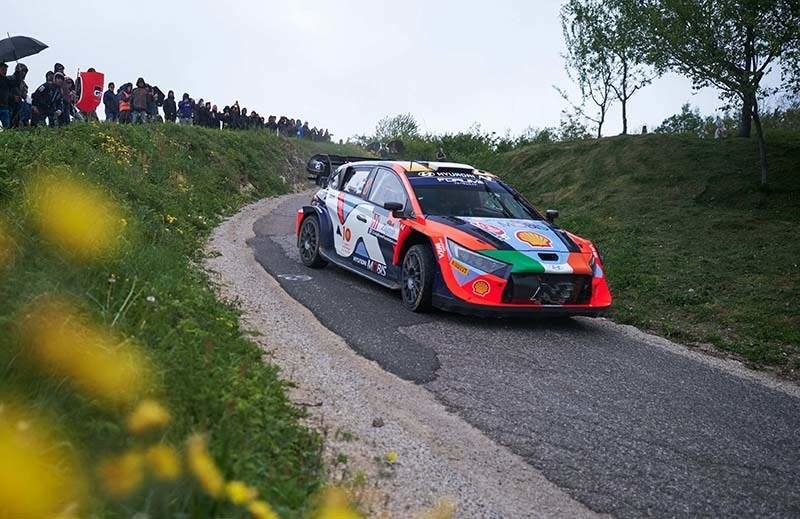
(19, 95)
(125, 98)
(8, 85)
(46, 101)
(139, 102)
(66, 97)
(22, 115)
(299, 131)
(170, 108)
(152, 105)
(111, 104)
(185, 110)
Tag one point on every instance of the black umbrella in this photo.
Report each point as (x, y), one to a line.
(18, 47)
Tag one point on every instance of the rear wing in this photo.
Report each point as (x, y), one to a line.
(322, 165)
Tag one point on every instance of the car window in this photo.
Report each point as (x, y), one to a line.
(334, 180)
(387, 188)
(356, 181)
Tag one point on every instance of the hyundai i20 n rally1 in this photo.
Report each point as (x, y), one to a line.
(450, 236)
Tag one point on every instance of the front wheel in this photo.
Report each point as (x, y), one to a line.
(308, 244)
(417, 278)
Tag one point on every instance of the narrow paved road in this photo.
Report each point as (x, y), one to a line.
(624, 426)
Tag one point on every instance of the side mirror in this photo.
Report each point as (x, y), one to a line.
(396, 208)
(551, 215)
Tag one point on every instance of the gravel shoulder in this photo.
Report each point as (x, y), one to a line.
(441, 458)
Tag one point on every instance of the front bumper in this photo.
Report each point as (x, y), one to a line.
(452, 304)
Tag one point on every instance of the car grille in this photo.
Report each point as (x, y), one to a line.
(548, 289)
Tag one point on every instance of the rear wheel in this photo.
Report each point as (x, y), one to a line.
(308, 244)
(419, 267)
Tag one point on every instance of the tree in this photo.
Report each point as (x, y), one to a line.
(688, 121)
(398, 127)
(604, 51)
(730, 44)
(589, 61)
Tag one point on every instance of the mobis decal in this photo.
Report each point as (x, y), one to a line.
(374, 266)
(534, 239)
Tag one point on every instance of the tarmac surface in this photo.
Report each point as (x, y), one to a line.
(619, 421)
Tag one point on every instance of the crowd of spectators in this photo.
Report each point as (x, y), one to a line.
(53, 104)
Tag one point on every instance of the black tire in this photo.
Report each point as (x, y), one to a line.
(417, 276)
(308, 244)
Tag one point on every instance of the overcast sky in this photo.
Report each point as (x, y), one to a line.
(339, 64)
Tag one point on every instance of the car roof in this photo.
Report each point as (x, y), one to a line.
(421, 166)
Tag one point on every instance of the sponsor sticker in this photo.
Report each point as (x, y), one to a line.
(459, 267)
(372, 265)
(491, 229)
(534, 239)
(481, 287)
(440, 252)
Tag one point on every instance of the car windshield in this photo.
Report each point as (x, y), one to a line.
(468, 195)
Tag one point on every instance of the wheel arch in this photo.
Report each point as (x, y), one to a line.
(415, 237)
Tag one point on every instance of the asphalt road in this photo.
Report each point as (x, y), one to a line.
(625, 427)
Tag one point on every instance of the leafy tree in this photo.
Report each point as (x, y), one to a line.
(604, 49)
(729, 44)
(589, 61)
(402, 126)
(687, 121)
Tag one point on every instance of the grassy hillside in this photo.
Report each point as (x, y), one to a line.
(693, 249)
(159, 190)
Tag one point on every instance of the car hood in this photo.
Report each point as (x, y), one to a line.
(512, 234)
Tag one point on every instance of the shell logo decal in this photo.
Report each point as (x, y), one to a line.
(534, 239)
(481, 287)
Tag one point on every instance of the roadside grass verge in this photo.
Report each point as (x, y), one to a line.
(172, 185)
(694, 249)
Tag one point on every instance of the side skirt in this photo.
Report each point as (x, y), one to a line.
(336, 260)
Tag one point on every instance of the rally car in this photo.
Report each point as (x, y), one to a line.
(449, 236)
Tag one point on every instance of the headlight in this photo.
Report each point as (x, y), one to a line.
(477, 261)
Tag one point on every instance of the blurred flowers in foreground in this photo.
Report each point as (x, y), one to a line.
(202, 465)
(75, 215)
(38, 476)
(163, 462)
(122, 474)
(148, 416)
(335, 505)
(57, 340)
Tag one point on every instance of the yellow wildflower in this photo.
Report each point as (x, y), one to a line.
(391, 457)
(335, 505)
(239, 493)
(202, 465)
(170, 219)
(148, 416)
(163, 462)
(38, 476)
(76, 216)
(121, 475)
(90, 358)
(262, 510)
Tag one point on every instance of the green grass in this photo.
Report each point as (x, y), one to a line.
(211, 376)
(694, 249)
